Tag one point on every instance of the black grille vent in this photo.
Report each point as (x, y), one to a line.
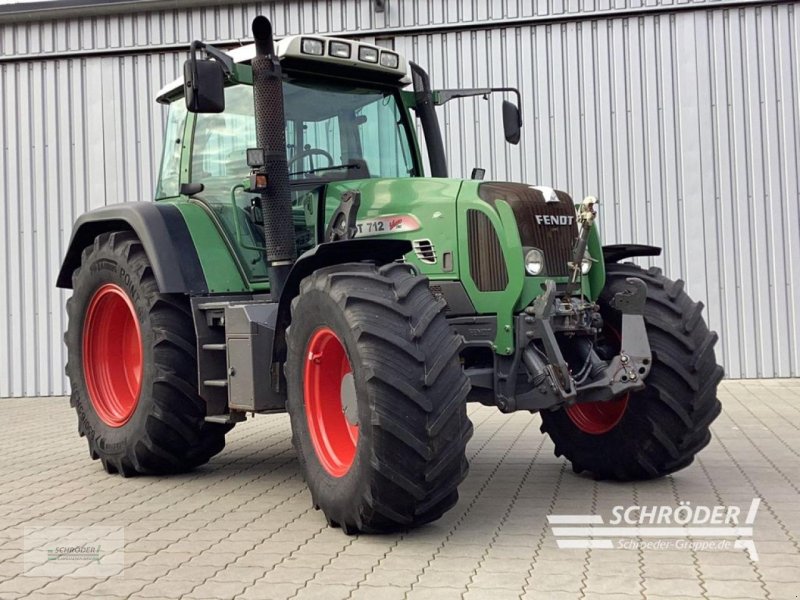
(487, 266)
(544, 223)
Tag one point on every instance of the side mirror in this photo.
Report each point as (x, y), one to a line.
(512, 122)
(203, 83)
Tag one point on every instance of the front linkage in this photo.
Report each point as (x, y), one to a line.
(550, 382)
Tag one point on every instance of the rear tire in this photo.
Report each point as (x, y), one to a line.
(138, 408)
(384, 448)
(662, 427)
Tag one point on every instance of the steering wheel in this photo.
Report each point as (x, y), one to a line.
(307, 153)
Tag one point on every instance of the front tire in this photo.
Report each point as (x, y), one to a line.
(660, 429)
(132, 365)
(376, 397)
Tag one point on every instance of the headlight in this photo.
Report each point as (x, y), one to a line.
(534, 261)
(586, 264)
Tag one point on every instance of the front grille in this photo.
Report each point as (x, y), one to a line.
(487, 266)
(555, 240)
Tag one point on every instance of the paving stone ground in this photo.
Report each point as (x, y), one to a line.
(243, 526)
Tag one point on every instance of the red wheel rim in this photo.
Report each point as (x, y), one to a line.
(600, 417)
(326, 369)
(112, 355)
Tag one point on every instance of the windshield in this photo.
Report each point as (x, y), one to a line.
(333, 132)
(341, 127)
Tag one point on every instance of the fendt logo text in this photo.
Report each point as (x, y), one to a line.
(554, 219)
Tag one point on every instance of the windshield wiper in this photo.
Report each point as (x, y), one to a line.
(331, 168)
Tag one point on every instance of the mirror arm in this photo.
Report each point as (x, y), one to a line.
(221, 57)
(443, 96)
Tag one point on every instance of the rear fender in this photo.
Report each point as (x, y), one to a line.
(163, 233)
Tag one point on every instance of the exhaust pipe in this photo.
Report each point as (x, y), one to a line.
(276, 201)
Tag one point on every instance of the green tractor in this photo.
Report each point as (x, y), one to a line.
(297, 259)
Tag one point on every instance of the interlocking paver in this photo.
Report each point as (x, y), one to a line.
(386, 592)
(119, 585)
(242, 525)
(266, 590)
(217, 589)
(498, 580)
(443, 593)
(327, 591)
(683, 587)
(735, 589)
(167, 589)
(22, 585)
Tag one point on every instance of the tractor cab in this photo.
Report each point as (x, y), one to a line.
(347, 119)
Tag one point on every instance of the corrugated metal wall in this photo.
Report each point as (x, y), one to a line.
(684, 122)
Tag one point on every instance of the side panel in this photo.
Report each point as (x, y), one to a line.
(223, 274)
(431, 202)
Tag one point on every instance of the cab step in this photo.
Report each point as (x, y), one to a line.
(219, 383)
(227, 419)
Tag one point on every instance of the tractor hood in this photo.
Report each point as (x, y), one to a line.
(421, 210)
(475, 231)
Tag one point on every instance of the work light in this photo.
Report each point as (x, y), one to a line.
(586, 263)
(367, 54)
(339, 49)
(312, 46)
(390, 59)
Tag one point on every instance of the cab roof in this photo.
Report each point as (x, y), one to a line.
(289, 50)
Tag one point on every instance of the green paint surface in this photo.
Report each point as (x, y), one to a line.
(221, 271)
(432, 202)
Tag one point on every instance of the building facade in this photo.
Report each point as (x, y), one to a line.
(683, 118)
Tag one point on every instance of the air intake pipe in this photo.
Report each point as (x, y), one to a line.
(270, 119)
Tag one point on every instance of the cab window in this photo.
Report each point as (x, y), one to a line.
(169, 175)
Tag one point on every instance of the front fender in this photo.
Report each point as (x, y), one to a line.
(380, 251)
(163, 233)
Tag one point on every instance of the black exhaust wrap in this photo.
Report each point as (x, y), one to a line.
(276, 202)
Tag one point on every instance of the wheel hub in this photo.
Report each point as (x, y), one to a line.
(598, 417)
(112, 355)
(330, 402)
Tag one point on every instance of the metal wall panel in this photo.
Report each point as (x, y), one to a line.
(684, 123)
(77, 134)
(140, 29)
